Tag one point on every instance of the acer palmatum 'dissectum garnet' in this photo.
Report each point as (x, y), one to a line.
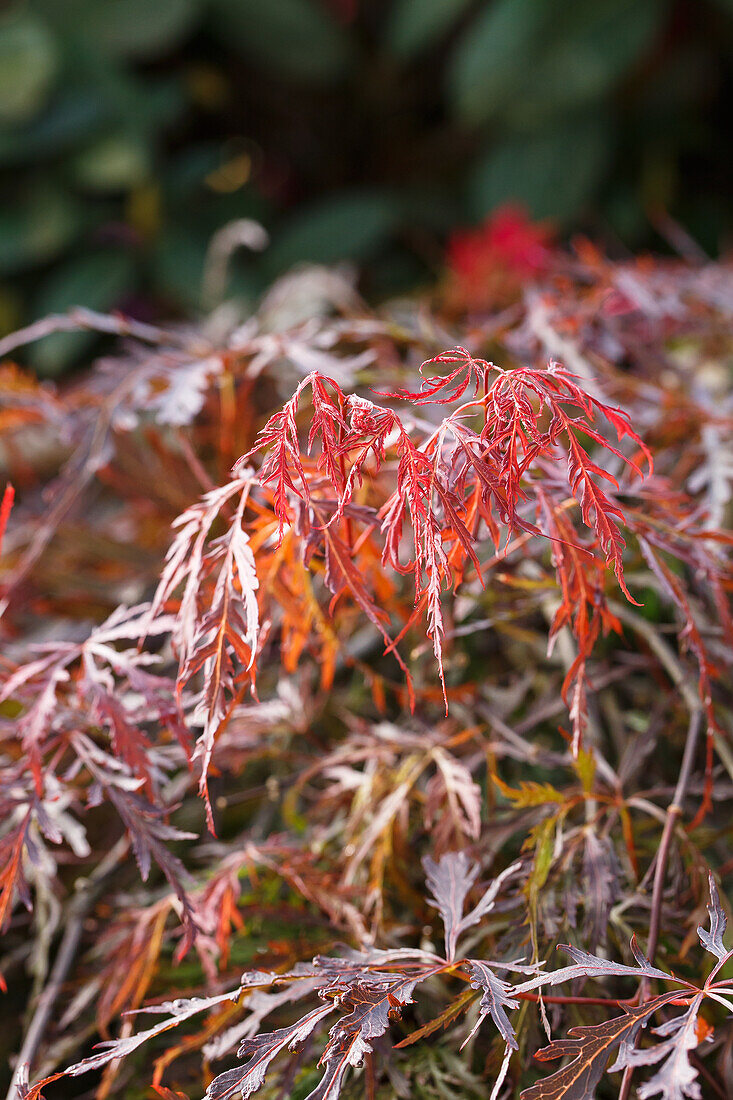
(475, 611)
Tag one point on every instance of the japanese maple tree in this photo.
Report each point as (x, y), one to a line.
(311, 627)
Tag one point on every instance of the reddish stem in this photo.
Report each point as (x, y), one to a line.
(558, 1000)
(674, 811)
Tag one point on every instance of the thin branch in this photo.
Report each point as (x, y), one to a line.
(674, 811)
(88, 891)
(666, 655)
(87, 320)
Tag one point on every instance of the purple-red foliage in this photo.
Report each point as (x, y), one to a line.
(371, 610)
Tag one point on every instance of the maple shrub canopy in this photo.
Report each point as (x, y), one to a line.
(365, 691)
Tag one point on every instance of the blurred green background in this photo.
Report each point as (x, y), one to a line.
(131, 130)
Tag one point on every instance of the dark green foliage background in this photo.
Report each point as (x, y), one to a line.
(130, 130)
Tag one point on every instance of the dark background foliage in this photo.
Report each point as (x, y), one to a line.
(363, 129)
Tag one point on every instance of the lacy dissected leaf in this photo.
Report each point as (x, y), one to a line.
(77, 697)
(594, 966)
(150, 834)
(12, 877)
(369, 1000)
(282, 469)
(453, 802)
(373, 1002)
(450, 387)
(583, 607)
(260, 1004)
(515, 432)
(712, 938)
(449, 482)
(106, 688)
(260, 1051)
(417, 492)
(450, 881)
(217, 623)
(177, 1012)
(589, 1048)
(342, 572)
(676, 1078)
(170, 389)
(690, 634)
(600, 885)
(496, 998)
(150, 838)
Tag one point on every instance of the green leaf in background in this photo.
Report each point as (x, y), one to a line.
(340, 227)
(416, 24)
(528, 59)
(37, 228)
(97, 281)
(364, 130)
(591, 48)
(28, 62)
(297, 37)
(492, 57)
(553, 173)
(71, 118)
(177, 262)
(131, 102)
(113, 163)
(136, 29)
